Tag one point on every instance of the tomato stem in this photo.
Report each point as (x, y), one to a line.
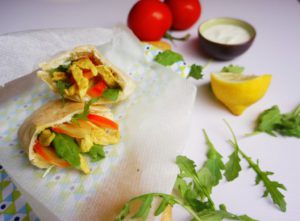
(172, 38)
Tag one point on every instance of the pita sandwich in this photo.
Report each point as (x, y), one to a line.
(57, 134)
(83, 73)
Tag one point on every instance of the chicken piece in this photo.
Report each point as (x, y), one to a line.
(71, 90)
(86, 63)
(107, 75)
(105, 136)
(58, 75)
(86, 144)
(84, 166)
(46, 137)
(82, 82)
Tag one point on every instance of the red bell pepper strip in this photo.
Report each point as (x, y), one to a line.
(49, 154)
(102, 121)
(98, 89)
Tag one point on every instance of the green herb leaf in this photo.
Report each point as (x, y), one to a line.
(144, 209)
(232, 167)
(196, 72)
(214, 162)
(86, 109)
(123, 213)
(61, 68)
(268, 119)
(61, 86)
(96, 153)
(219, 215)
(67, 149)
(168, 57)
(111, 94)
(271, 121)
(233, 69)
(271, 187)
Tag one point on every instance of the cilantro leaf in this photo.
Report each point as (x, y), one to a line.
(196, 72)
(96, 153)
(272, 188)
(67, 149)
(86, 109)
(61, 86)
(168, 57)
(268, 120)
(233, 69)
(111, 94)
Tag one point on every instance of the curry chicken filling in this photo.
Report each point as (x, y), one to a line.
(86, 75)
(69, 144)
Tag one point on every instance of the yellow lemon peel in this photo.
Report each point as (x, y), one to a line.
(237, 92)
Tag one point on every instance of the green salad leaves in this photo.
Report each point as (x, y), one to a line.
(67, 149)
(273, 122)
(194, 186)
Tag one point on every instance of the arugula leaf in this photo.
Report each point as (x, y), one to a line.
(96, 153)
(61, 86)
(196, 72)
(111, 94)
(67, 149)
(144, 209)
(233, 69)
(86, 109)
(271, 121)
(232, 167)
(271, 187)
(187, 169)
(219, 215)
(168, 57)
(268, 120)
(214, 162)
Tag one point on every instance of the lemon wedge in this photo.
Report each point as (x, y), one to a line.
(161, 45)
(238, 91)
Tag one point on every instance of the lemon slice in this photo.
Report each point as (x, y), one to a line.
(237, 91)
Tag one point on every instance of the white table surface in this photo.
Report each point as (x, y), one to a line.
(276, 50)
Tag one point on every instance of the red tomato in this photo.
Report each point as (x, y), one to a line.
(102, 121)
(49, 154)
(149, 20)
(185, 13)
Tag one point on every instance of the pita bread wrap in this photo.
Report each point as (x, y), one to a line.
(82, 70)
(54, 114)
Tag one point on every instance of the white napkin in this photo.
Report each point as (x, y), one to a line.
(154, 123)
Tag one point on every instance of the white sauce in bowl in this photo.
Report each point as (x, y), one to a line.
(227, 34)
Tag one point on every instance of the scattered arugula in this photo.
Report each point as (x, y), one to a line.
(67, 149)
(271, 187)
(111, 94)
(61, 86)
(96, 153)
(86, 108)
(193, 191)
(169, 57)
(233, 69)
(271, 121)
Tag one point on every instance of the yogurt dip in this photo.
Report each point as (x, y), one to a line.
(227, 34)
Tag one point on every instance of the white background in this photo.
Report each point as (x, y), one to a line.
(276, 50)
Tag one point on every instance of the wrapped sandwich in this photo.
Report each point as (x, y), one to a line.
(66, 135)
(83, 73)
